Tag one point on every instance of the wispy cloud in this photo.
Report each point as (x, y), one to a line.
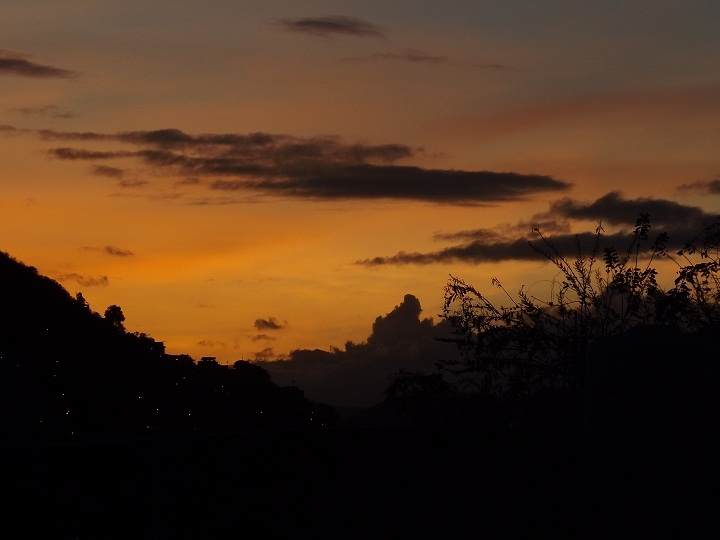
(267, 354)
(270, 323)
(51, 111)
(110, 250)
(211, 344)
(510, 242)
(421, 57)
(332, 25)
(710, 187)
(408, 56)
(105, 170)
(19, 65)
(85, 281)
(117, 252)
(320, 168)
(694, 101)
(262, 337)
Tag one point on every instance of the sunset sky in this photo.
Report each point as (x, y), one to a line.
(250, 178)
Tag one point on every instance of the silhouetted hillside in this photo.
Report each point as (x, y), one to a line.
(68, 373)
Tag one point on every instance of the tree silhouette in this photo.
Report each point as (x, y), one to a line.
(90, 379)
(116, 317)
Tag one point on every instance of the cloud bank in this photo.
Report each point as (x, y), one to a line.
(358, 375)
(315, 168)
(510, 242)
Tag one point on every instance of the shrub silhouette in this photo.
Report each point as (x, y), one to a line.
(532, 344)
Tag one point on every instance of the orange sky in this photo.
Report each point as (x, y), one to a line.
(388, 123)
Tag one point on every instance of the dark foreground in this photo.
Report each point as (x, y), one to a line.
(350, 483)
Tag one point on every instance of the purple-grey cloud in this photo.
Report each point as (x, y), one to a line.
(421, 57)
(16, 64)
(51, 111)
(332, 25)
(314, 168)
(105, 170)
(512, 242)
(359, 374)
(408, 56)
(710, 187)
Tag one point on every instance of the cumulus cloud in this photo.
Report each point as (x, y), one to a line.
(269, 324)
(18, 64)
(267, 354)
(359, 374)
(511, 242)
(332, 25)
(316, 168)
(85, 281)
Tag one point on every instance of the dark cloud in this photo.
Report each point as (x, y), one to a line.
(132, 183)
(332, 25)
(263, 337)
(615, 210)
(402, 182)
(320, 168)
(269, 324)
(420, 57)
(211, 344)
(110, 250)
(511, 242)
(409, 56)
(85, 281)
(51, 111)
(117, 252)
(188, 182)
(15, 64)
(711, 187)
(359, 374)
(76, 154)
(105, 170)
(266, 355)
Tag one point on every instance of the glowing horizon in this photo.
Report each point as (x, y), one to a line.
(205, 169)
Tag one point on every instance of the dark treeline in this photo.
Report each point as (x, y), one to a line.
(104, 435)
(67, 373)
